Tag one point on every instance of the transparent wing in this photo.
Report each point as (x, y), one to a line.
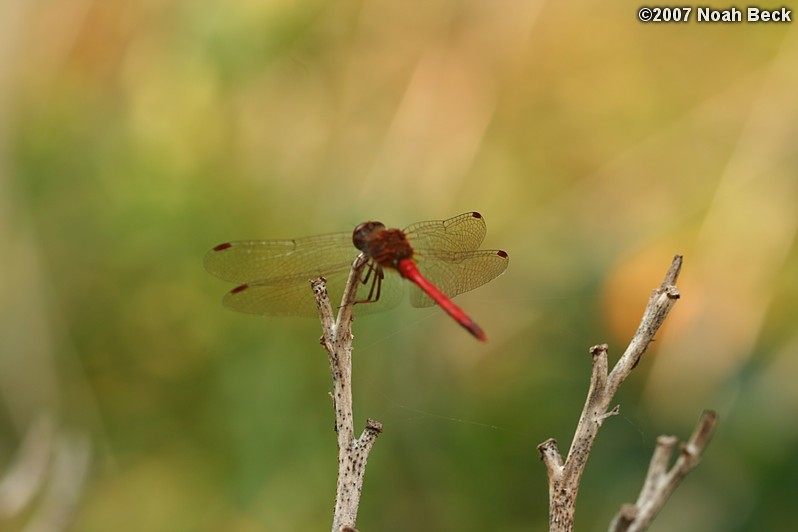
(248, 261)
(274, 275)
(457, 272)
(447, 254)
(461, 233)
(293, 296)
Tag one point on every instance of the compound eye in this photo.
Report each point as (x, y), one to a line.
(362, 232)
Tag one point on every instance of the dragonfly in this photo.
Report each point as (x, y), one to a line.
(440, 258)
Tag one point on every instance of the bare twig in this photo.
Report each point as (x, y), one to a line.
(28, 470)
(564, 476)
(69, 469)
(661, 481)
(352, 453)
(46, 478)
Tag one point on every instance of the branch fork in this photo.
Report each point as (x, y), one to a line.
(660, 480)
(565, 475)
(353, 452)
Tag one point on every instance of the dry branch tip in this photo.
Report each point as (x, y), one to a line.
(352, 454)
(564, 477)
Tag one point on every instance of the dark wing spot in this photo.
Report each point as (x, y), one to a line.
(502, 254)
(476, 215)
(239, 288)
(220, 247)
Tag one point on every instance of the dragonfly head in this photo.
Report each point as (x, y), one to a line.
(360, 236)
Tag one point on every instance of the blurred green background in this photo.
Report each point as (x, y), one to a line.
(136, 135)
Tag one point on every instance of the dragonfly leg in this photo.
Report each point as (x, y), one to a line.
(374, 276)
(369, 270)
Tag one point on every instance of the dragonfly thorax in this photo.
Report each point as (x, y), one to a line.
(386, 246)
